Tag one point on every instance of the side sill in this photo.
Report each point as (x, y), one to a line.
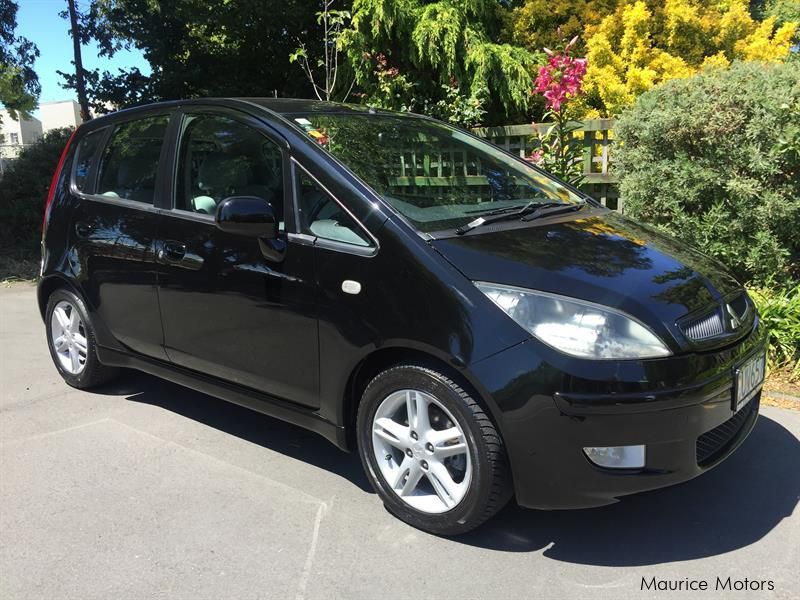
(246, 397)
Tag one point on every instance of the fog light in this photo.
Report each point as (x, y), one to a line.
(617, 457)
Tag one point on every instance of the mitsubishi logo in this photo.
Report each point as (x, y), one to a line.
(735, 322)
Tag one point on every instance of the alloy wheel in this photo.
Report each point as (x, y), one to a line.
(68, 337)
(421, 451)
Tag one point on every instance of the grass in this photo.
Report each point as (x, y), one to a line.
(779, 309)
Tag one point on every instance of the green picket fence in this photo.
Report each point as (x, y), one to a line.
(597, 137)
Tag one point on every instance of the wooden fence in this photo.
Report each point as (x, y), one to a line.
(597, 136)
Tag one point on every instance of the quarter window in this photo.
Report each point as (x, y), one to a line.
(130, 161)
(323, 217)
(222, 157)
(86, 151)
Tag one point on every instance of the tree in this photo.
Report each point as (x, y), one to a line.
(642, 44)
(198, 48)
(404, 51)
(332, 22)
(80, 81)
(19, 85)
(538, 24)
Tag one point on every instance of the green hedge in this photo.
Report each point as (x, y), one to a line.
(23, 191)
(715, 161)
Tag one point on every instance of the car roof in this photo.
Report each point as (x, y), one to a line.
(288, 106)
(282, 107)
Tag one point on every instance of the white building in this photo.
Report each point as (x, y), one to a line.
(64, 113)
(14, 135)
(17, 134)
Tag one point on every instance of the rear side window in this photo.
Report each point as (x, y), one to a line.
(130, 161)
(83, 161)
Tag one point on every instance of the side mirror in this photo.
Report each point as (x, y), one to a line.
(247, 215)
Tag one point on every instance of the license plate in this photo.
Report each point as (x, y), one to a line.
(747, 378)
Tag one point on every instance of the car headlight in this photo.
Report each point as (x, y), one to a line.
(576, 327)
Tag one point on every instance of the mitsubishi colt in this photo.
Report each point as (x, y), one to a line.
(472, 327)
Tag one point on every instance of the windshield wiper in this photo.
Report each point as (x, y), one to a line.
(529, 211)
(538, 214)
(536, 201)
(495, 211)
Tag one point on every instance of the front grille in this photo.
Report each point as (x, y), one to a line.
(729, 319)
(705, 327)
(713, 444)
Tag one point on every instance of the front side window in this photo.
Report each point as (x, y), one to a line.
(221, 157)
(83, 160)
(435, 175)
(129, 163)
(14, 138)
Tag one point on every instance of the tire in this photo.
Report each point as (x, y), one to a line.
(87, 372)
(475, 460)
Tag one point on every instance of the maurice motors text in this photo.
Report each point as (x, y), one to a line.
(718, 584)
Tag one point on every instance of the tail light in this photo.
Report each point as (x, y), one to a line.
(54, 182)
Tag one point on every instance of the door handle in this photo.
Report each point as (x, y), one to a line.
(83, 230)
(172, 251)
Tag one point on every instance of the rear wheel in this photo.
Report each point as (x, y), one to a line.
(71, 341)
(430, 451)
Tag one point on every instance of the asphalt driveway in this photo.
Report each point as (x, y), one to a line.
(145, 489)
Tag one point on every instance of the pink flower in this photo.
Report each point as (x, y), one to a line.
(535, 157)
(561, 78)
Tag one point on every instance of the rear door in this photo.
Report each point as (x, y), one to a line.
(114, 227)
(234, 307)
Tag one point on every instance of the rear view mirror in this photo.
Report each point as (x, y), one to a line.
(247, 215)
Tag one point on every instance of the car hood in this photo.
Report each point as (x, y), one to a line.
(595, 255)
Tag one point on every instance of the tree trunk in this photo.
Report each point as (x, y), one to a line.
(80, 84)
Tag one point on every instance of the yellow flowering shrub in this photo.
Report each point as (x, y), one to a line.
(643, 43)
(537, 24)
(760, 46)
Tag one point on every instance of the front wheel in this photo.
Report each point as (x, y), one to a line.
(430, 451)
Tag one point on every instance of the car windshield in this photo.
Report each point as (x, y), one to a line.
(435, 175)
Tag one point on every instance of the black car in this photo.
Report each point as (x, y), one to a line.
(473, 327)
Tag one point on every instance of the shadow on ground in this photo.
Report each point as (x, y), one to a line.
(285, 438)
(732, 506)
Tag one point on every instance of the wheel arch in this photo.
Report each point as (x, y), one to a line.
(384, 358)
(50, 284)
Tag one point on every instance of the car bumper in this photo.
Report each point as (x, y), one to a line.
(549, 408)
